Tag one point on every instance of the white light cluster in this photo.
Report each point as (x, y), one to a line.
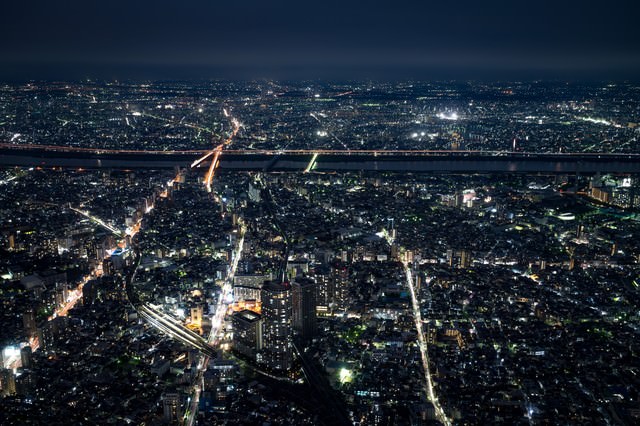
(453, 116)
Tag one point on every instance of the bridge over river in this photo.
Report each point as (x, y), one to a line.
(328, 160)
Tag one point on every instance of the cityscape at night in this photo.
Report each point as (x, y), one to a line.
(343, 214)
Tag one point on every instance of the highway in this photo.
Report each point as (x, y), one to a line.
(164, 322)
(424, 350)
(227, 289)
(161, 321)
(216, 152)
(153, 315)
(75, 294)
(217, 321)
(354, 152)
(173, 327)
(422, 342)
(216, 156)
(99, 221)
(324, 161)
(72, 298)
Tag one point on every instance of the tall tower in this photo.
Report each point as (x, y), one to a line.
(276, 329)
(304, 307)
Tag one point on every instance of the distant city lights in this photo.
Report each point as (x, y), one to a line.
(453, 116)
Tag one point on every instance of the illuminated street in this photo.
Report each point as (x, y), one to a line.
(217, 151)
(422, 343)
(217, 321)
(74, 295)
(424, 349)
(98, 221)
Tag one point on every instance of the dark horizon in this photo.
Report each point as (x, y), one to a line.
(168, 73)
(160, 40)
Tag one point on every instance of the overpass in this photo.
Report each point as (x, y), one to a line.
(161, 321)
(414, 161)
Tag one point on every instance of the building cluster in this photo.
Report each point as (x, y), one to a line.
(528, 116)
(508, 272)
(310, 291)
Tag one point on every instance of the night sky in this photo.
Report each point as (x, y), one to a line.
(49, 39)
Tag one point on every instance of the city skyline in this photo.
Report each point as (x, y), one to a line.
(338, 213)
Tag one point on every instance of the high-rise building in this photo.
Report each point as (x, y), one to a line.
(324, 290)
(303, 296)
(247, 333)
(601, 194)
(29, 322)
(25, 357)
(277, 342)
(247, 287)
(254, 193)
(171, 407)
(465, 259)
(25, 382)
(459, 258)
(340, 278)
(7, 382)
(52, 331)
